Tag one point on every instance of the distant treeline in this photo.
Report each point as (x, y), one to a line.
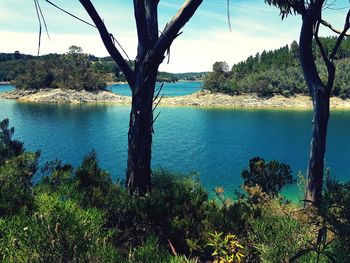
(279, 72)
(73, 70)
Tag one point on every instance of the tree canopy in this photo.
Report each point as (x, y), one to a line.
(279, 72)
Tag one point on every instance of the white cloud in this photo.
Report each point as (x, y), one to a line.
(186, 54)
(201, 53)
(59, 43)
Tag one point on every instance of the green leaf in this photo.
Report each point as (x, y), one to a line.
(300, 254)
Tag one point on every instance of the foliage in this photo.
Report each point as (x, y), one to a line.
(73, 70)
(335, 210)
(16, 183)
(16, 171)
(227, 249)
(277, 238)
(58, 231)
(50, 70)
(271, 176)
(8, 147)
(278, 72)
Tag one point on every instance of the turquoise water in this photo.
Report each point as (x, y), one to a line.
(4, 88)
(168, 90)
(216, 143)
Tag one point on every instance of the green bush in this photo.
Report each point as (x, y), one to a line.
(271, 176)
(58, 231)
(16, 190)
(277, 238)
(8, 147)
(335, 210)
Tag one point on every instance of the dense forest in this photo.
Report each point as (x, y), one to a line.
(278, 72)
(73, 70)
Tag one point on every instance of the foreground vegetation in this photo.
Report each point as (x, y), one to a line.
(81, 215)
(279, 72)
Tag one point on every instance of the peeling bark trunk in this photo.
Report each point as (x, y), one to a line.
(138, 174)
(320, 98)
(313, 193)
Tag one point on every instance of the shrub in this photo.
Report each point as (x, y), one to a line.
(149, 251)
(16, 191)
(335, 209)
(227, 249)
(271, 176)
(277, 238)
(58, 231)
(8, 147)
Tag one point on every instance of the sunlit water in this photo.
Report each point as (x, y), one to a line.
(168, 89)
(216, 143)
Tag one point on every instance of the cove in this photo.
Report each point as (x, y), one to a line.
(215, 143)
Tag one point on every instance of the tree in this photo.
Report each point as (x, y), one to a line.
(221, 67)
(294, 48)
(152, 47)
(271, 176)
(311, 13)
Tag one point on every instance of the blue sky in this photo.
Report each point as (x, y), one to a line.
(206, 38)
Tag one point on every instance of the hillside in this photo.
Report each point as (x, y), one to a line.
(50, 71)
(278, 72)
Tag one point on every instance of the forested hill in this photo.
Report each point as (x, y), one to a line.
(73, 70)
(279, 72)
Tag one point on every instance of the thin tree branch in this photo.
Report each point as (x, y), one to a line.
(341, 37)
(173, 27)
(107, 40)
(320, 45)
(70, 14)
(228, 15)
(39, 20)
(158, 92)
(44, 20)
(335, 30)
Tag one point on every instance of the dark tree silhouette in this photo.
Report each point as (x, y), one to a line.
(311, 13)
(152, 47)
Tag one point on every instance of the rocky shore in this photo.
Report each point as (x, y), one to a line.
(199, 99)
(65, 96)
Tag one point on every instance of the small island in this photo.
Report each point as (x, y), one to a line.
(272, 79)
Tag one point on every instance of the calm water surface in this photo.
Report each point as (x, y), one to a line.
(168, 90)
(216, 143)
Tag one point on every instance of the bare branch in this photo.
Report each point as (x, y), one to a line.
(70, 14)
(320, 45)
(107, 40)
(228, 15)
(341, 37)
(158, 92)
(39, 20)
(326, 24)
(173, 27)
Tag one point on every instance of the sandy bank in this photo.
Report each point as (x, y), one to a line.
(200, 99)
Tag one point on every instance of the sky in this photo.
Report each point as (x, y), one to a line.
(206, 37)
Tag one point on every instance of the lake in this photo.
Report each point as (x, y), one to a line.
(168, 90)
(216, 143)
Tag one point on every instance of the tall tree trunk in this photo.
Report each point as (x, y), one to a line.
(150, 54)
(138, 174)
(313, 193)
(320, 98)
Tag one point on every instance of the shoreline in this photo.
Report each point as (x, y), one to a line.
(201, 99)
